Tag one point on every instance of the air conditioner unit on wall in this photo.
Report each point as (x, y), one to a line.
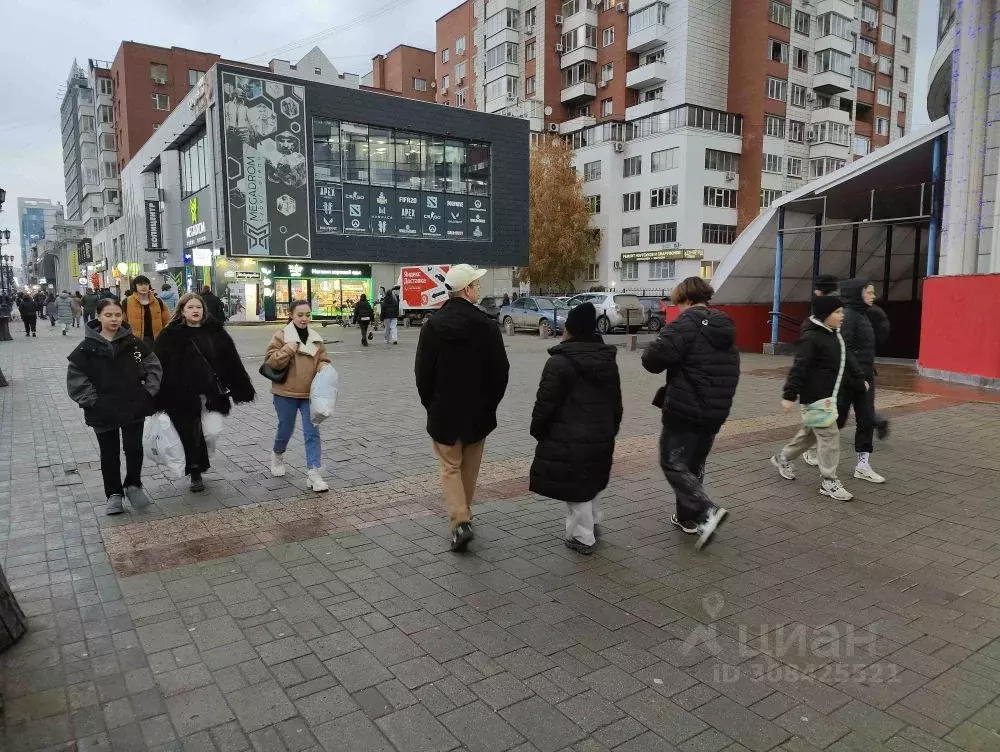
(619, 147)
(559, 20)
(730, 177)
(617, 264)
(554, 127)
(559, 47)
(672, 245)
(620, 7)
(603, 84)
(529, 30)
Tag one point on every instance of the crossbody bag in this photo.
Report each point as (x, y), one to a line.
(823, 412)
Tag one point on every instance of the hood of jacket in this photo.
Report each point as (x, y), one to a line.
(717, 327)
(458, 320)
(852, 292)
(92, 336)
(595, 360)
(813, 324)
(64, 295)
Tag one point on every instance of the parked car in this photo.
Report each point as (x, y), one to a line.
(656, 312)
(491, 306)
(534, 312)
(614, 311)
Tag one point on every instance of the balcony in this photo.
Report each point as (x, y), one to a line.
(830, 114)
(648, 38)
(831, 82)
(578, 92)
(650, 74)
(576, 124)
(643, 109)
(579, 55)
(585, 16)
(939, 90)
(106, 128)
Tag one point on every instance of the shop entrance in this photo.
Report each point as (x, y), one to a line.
(330, 298)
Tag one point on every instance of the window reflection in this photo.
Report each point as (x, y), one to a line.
(382, 156)
(409, 159)
(434, 171)
(354, 142)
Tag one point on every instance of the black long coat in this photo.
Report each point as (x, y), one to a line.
(857, 329)
(576, 418)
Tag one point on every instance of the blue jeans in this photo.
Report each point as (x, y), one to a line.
(286, 408)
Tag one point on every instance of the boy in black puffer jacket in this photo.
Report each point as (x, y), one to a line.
(577, 414)
(823, 369)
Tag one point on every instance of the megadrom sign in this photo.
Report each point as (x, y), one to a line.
(264, 137)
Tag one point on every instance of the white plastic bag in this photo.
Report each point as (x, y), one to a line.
(162, 444)
(211, 427)
(323, 394)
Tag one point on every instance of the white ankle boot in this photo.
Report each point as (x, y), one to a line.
(277, 464)
(315, 480)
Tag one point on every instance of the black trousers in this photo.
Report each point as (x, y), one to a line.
(111, 461)
(864, 415)
(29, 324)
(193, 438)
(682, 458)
(364, 331)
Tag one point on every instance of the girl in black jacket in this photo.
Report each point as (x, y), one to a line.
(363, 315)
(201, 371)
(577, 414)
(113, 376)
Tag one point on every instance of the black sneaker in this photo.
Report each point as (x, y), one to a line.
(882, 429)
(461, 536)
(580, 548)
(708, 526)
(689, 527)
(197, 484)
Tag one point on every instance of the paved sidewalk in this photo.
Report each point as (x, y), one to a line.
(261, 616)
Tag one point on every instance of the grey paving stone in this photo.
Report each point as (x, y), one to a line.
(500, 690)
(647, 742)
(414, 729)
(612, 683)
(590, 711)
(392, 646)
(358, 670)
(480, 729)
(352, 733)
(229, 737)
(443, 643)
(419, 671)
(334, 644)
(740, 724)
(324, 706)
(198, 709)
(261, 705)
(812, 726)
(183, 679)
(543, 725)
(213, 633)
(491, 639)
(282, 650)
(662, 716)
(163, 635)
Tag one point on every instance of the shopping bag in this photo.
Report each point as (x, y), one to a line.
(211, 427)
(323, 394)
(162, 445)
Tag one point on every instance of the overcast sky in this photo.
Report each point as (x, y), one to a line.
(41, 39)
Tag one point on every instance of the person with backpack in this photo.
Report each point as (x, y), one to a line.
(390, 315)
(113, 375)
(363, 314)
(145, 313)
(698, 352)
(823, 369)
(577, 414)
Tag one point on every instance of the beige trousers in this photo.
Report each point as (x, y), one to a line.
(827, 441)
(459, 464)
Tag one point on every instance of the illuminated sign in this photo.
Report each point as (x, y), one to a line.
(665, 254)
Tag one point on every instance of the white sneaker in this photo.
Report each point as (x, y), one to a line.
(865, 472)
(316, 482)
(785, 468)
(707, 528)
(277, 464)
(835, 490)
(810, 458)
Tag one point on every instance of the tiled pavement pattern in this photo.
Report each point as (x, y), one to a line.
(808, 625)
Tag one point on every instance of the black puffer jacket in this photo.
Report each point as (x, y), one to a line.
(462, 370)
(817, 360)
(577, 414)
(859, 335)
(697, 350)
(880, 324)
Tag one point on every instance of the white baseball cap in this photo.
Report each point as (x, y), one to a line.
(461, 276)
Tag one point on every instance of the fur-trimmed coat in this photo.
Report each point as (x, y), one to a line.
(200, 361)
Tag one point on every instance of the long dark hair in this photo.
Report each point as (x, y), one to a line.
(105, 302)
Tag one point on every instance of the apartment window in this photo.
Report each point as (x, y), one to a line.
(581, 36)
(651, 15)
(862, 145)
(885, 65)
(882, 126)
(502, 53)
(721, 161)
(665, 196)
(884, 96)
(504, 19)
(106, 115)
(777, 51)
(158, 72)
(445, 82)
(593, 272)
(794, 166)
(630, 270)
(888, 35)
(777, 88)
(631, 202)
(608, 36)
(834, 24)
(505, 86)
(774, 126)
(607, 71)
(592, 171)
(194, 77)
(105, 86)
(630, 237)
(530, 50)
(902, 102)
(584, 72)
(824, 166)
(780, 13)
(900, 131)
(570, 7)
(904, 74)
(530, 16)
(865, 79)
(833, 60)
(632, 166)
(718, 234)
(110, 169)
(195, 165)
(866, 46)
(108, 142)
(653, 94)
(665, 232)
(800, 59)
(460, 45)
(607, 107)
(593, 204)
(802, 22)
(869, 13)
(722, 198)
(529, 86)
(664, 160)
(662, 269)
(445, 55)
(460, 98)
(796, 131)
(889, 6)
(832, 133)
(654, 57)
(768, 196)
(905, 43)
(798, 95)
(772, 163)
(160, 102)
(420, 84)
(708, 269)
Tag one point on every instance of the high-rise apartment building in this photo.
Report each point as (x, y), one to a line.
(456, 59)
(688, 117)
(37, 219)
(406, 71)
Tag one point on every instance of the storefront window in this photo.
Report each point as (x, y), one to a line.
(434, 167)
(326, 150)
(354, 146)
(455, 167)
(409, 157)
(382, 156)
(479, 169)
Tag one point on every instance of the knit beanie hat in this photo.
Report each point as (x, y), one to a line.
(582, 320)
(824, 305)
(826, 284)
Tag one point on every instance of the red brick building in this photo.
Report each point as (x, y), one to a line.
(407, 71)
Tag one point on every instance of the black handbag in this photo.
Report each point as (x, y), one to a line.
(277, 375)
